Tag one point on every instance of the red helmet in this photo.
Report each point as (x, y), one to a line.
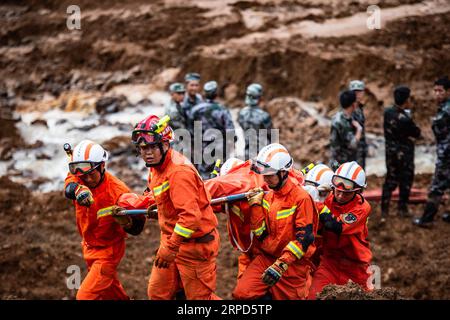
(152, 130)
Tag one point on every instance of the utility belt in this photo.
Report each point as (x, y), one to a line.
(203, 239)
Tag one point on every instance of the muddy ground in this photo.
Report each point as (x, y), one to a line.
(43, 65)
(39, 241)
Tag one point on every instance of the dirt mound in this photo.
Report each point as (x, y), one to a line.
(38, 243)
(352, 291)
(300, 131)
(10, 139)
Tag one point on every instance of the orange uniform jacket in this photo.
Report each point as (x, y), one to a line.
(182, 200)
(351, 243)
(290, 219)
(240, 179)
(104, 231)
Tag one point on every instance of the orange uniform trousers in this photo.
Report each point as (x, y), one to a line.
(193, 270)
(101, 282)
(293, 285)
(338, 271)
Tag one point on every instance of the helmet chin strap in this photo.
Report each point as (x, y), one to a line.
(281, 180)
(163, 153)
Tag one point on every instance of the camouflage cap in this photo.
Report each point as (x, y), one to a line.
(255, 89)
(210, 86)
(177, 87)
(356, 85)
(192, 76)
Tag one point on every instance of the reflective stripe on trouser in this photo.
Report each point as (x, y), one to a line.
(101, 282)
(337, 271)
(293, 285)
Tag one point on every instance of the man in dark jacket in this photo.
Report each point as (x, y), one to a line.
(441, 178)
(399, 131)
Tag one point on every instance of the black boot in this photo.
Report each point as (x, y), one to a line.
(384, 210)
(403, 211)
(427, 219)
(446, 217)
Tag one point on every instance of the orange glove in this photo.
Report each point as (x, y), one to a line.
(121, 218)
(84, 196)
(168, 252)
(255, 199)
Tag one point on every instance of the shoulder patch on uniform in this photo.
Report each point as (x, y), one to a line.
(348, 218)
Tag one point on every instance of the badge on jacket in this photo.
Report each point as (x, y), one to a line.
(348, 218)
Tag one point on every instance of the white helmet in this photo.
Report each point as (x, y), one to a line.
(350, 176)
(272, 159)
(86, 156)
(319, 175)
(89, 151)
(313, 192)
(230, 164)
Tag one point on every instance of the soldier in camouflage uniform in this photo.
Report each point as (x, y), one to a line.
(399, 129)
(253, 117)
(192, 96)
(345, 132)
(178, 117)
(212, 115)
(359, 87)
(441, 178)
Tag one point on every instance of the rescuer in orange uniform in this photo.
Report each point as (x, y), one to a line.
(285, 222)
(235, 177)
(318, 184)
(103, 244)
(346, 252)
(186, 257)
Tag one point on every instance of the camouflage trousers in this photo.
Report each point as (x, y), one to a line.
(361, 155)
(439, 184)
(400, 172)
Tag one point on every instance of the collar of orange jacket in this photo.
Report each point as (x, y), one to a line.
(286, 188)
(168, 158)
